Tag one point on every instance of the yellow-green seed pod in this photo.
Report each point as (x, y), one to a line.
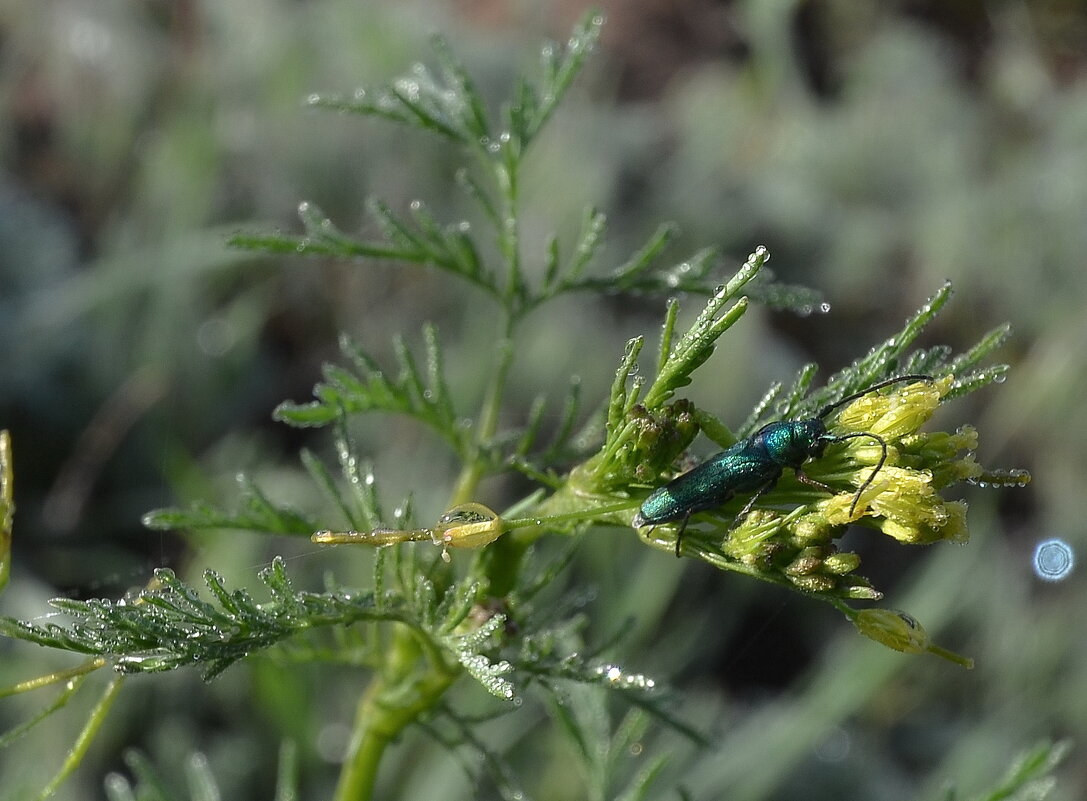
(894, 629)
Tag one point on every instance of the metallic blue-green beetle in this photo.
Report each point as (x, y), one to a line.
(754, 465)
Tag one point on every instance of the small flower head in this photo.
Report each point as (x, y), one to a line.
(902, 496)
(897, 414)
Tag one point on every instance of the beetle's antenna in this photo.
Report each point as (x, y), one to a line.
(879, 465)
(830, 408)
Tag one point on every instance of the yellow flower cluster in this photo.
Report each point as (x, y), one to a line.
(903, 498)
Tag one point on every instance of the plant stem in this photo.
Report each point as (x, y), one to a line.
(403, 691)
(86, 736)
(394, 699)
(54, 678)
(487, 421)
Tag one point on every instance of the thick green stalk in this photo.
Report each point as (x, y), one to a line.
(394, 700)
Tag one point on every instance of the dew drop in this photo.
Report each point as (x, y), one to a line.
(824, 307)
(313, 99)
(1000, 379)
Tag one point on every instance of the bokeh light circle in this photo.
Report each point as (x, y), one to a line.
(1053, 560)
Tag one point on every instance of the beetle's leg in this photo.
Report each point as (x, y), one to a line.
(803, 478)
(680, 530)
(765, 488)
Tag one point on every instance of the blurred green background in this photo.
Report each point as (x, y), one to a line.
(876, 148)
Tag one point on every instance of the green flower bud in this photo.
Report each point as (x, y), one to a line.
(840, 564)
(814, 582)
(812, 528)
(806, 562)
(896, 630)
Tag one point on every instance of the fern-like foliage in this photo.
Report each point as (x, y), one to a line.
(891, 357)
(257, 513)
(446, 102)
(170, 625)
(369, 389)
(354, 496)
